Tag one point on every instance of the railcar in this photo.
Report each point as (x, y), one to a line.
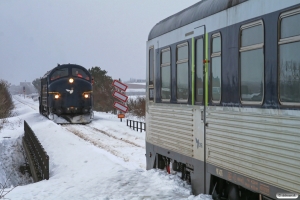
(223, 98)
(66, 94)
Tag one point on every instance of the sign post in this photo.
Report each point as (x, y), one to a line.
(121, 97)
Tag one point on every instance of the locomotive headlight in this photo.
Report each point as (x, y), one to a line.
(86, 96)
(71, 80)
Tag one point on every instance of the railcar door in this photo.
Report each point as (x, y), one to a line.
(200, 101)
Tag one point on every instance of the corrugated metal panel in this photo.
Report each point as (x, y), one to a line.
(171, 127)
(261, 144)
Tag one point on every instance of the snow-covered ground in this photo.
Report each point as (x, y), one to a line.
(102, 160)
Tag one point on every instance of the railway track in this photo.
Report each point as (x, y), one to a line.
(116, 145)
(115, 137)
(119, 143)
(33, 105)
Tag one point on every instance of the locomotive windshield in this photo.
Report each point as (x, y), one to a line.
(80, 73)
(59, 73)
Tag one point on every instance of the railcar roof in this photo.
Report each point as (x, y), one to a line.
(191, 14)
(62, 66)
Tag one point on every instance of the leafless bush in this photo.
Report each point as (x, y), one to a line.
(4, 190)
(6, 103)
(137, 107)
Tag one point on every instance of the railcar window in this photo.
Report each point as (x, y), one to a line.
(252, 63)
(165, 74)
(216, 43)
(252, 36)
(59, 73)
(199, 70)
(289, 60)
(289, 27)
(151, 73)
(216, 67)
(182, 72)
(79, 73)
(151, 65)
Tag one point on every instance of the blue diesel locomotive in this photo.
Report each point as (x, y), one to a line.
(66, 94)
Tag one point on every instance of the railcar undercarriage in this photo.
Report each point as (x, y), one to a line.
(220, 189)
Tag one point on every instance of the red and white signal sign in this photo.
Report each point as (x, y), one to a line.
(120, 96)
(120, 85)
(120, 107)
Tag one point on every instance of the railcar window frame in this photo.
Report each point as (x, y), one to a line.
(151, 71)
(249, 48)
(286, 41)
(216, 55)
(179, 62)
(167, 64)
(199, 64)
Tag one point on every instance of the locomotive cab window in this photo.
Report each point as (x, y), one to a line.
(151, 73)
(289, 59)
(79, 73)
(216, 68)
(182, 72)
(252, 63)
(165, 74)
(59, 73)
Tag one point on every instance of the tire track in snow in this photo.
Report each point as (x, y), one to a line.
(96, 142)
(110, 135)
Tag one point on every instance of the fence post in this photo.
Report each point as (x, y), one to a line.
(136, 125)
(141, 126)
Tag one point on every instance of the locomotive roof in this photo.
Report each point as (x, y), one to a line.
(62, 66)
(191, 14)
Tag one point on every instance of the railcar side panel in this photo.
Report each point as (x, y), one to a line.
(179, 129)
(262, 144)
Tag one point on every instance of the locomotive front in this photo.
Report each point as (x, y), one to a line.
(69, 94)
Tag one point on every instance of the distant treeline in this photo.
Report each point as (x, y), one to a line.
(6, 103)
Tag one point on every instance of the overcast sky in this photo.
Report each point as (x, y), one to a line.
(35, 35)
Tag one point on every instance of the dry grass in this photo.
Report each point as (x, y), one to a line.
(137, 107)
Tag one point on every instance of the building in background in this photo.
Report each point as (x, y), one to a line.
(136, 87)
(18, 89)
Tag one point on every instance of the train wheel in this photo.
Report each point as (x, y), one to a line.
(233, 192)
(160, 162)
